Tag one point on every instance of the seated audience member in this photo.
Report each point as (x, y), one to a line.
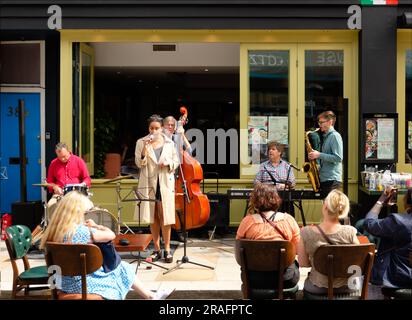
(391, 267)
(335, 207)
(67, 225)
(264, 222)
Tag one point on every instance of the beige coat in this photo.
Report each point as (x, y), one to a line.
(149, 174)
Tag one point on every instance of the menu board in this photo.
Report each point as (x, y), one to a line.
(379, 137)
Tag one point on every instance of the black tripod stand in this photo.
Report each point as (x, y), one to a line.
(185, 258)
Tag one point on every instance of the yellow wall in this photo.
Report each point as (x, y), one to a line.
(404, 43)
(105, 195)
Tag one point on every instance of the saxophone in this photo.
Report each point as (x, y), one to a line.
(311, 167)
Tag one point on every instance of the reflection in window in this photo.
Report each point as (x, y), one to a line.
(408, 101)
(269, 102)
(323, 88)
(85, 107)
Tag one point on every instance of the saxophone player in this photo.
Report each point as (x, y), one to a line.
(331, 154)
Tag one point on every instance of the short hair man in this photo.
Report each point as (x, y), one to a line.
(66, 168)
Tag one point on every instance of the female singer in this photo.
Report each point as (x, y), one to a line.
(157, 159)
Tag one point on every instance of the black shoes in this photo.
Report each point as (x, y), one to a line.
(168, 257)
(155, 256)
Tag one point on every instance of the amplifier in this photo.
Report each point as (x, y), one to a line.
(219, 210)
(27, 213)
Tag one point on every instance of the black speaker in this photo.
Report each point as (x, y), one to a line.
(219, 210)
(27, 213)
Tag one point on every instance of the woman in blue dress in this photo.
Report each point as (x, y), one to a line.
(68, 225)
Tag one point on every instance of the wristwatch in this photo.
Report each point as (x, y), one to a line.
(379, 202)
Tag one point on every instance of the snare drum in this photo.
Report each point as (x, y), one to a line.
(76, 186)
(103, 217)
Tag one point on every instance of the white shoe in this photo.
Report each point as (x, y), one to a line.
(163, 293)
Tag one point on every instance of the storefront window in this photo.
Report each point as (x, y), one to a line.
(86, 107)
(408, 102)
(269, 102)
(323, 88)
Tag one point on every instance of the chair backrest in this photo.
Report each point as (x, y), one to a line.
(18, 237)
(337, 261)
(263, 263)
(74, 260)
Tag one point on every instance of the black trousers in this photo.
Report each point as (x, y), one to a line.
(328, 186)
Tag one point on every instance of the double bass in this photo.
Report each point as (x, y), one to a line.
(196, 206)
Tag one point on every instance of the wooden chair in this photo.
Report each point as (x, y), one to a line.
(262, 265)
(74, 260)
(18, 242)
(334, 261)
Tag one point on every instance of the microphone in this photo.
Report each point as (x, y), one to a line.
(294, 167)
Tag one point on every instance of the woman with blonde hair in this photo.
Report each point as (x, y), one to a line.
(68, 225)
(329, 231)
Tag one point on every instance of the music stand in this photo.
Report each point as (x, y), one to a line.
(119, 200)
(139, 198)
(185, 258)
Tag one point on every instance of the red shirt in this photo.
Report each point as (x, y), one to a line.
(72, 171)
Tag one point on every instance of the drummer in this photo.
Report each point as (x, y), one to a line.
(66, 169)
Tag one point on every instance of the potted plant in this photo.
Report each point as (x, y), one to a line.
(106, 159)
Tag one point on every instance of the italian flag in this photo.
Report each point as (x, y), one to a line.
(379, 2)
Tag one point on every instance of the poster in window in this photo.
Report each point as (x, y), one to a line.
(409, 134)
(257, 129)
(379, 137)
(257, 138)
(278, 128)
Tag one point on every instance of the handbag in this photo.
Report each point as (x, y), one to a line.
(111, 259)
(324, 235)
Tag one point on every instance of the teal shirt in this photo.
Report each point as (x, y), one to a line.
(331, 156)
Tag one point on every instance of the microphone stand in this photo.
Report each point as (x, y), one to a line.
(288, 194)
(299, 204)
(185, 258)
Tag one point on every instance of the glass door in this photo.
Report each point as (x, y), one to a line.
(325, 84)
(83, 126)
(283, 89)
(269, 101)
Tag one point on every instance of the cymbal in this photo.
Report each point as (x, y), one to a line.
(120, 178)
(43, 185)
